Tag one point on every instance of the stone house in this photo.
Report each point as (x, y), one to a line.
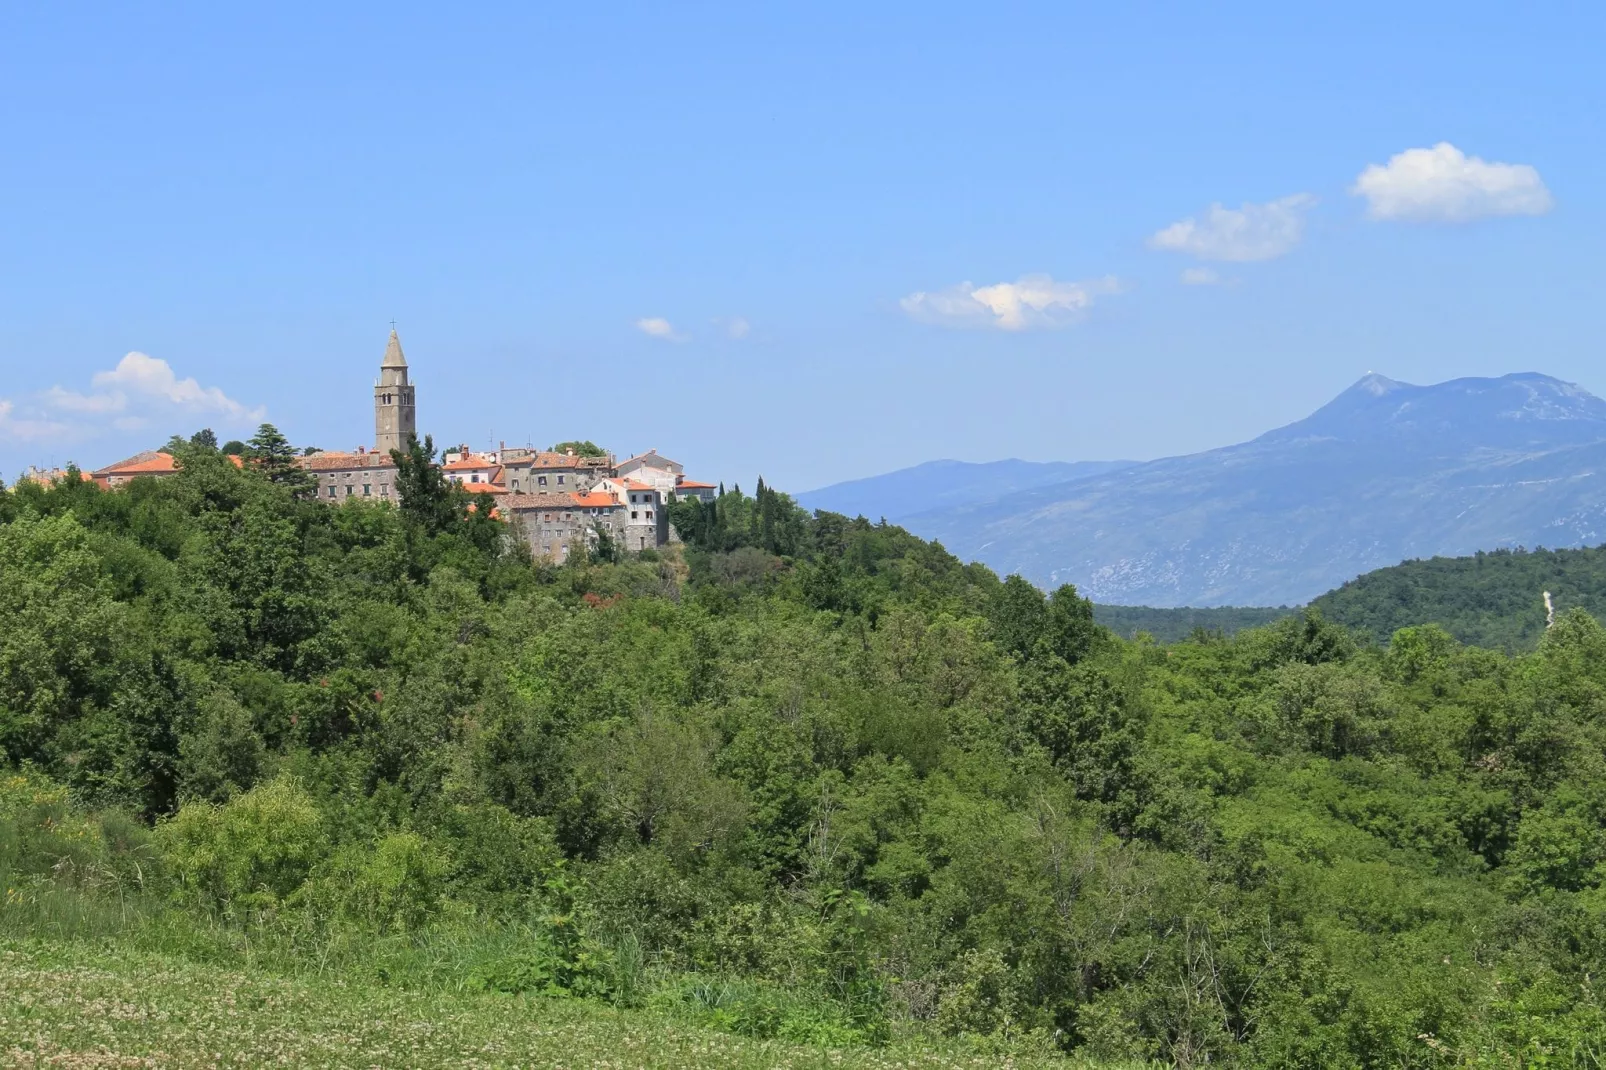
(641, 522)
(362, 473)
(692, 488)
(649, 466)
(471, 470)
(528, 471)
(558, 525)
(152, 463)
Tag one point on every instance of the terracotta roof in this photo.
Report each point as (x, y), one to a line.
(333, 460)
(465, 464)
(694, 484)
(128, 462)
(594, 500)
(633, 484)
(484, 488)
(146, 463)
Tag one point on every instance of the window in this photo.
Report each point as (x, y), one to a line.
(384, 490)
(649, 514)
(367, 490)
(515, 486)
(632, 514)
(350, 490)
(541, 480)
(331, 490)
(560, 481)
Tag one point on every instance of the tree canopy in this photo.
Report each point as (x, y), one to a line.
(580, 447)
(830, 781)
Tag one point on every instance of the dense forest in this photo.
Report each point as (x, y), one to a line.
(1491, 599)
(801, 776)
(1172, 625)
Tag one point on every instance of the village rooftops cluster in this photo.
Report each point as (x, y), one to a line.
(555, 499)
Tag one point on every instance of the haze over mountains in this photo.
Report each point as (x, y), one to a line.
(1384, 472)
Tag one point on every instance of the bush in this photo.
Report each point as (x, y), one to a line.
(248, 855)
(391, 886)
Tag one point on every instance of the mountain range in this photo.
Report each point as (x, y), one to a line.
(1384, 472)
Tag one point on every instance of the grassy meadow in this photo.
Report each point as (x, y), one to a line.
(76, 1005)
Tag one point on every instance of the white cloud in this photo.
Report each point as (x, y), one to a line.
(93, 404)
(737, 327)
(139, 393)
(1201, 276)
(658, 327)
(1445, 185)
(1030, 301)
(1250, 232)
(27, 429)
(152, 378)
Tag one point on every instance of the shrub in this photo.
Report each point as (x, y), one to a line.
(248, 855)
(391, 886)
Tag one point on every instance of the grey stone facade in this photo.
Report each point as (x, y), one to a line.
(395, 410)
(363, 474)
(527, 471)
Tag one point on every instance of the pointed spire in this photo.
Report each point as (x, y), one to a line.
(393, 352)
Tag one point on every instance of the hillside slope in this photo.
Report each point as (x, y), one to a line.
(1492, 600)
(1385, 472)
(946, 484)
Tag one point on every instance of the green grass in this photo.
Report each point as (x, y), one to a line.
(79, 1005)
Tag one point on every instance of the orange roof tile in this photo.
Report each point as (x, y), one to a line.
(335, 460)
(467, 464)
(694, 484)
(594, 499)
(161, 462)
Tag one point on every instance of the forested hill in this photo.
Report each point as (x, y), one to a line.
(804, 777)
(1176, 623)
(1492, 599)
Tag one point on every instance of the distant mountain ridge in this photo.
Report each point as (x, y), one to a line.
(936, 484)
(1385, 472)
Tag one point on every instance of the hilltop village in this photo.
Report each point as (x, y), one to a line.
(554, 499)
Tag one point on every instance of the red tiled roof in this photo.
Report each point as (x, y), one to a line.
(594, 499)
(466, 464)
(335, 460)
(148, 463)
(484, 488)
(694, 484)
(631, 484)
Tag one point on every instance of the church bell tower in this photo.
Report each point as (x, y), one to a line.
(395, 416)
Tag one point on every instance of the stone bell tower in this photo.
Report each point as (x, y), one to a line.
(395, 416)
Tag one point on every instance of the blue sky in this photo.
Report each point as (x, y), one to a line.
(739, 235)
